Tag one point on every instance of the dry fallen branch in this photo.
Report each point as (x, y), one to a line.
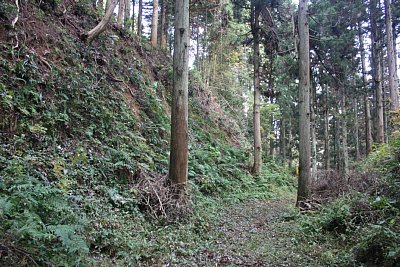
(158, 199)
(331, 184)
(9, 248)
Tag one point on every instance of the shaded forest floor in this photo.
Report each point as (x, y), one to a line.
(252, 233)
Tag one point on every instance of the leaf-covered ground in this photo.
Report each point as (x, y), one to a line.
(253, 233)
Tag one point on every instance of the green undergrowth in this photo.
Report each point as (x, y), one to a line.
(361, 228)
(79, 125)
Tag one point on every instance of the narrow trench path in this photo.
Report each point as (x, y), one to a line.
(254, 233)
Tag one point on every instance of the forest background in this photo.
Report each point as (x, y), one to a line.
(85, 130)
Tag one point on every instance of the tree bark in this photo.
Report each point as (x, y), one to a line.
(163, 33)
(393, 84)
(303, 192)
(376, 71)
(197, 57)
(139, 21)
(356, 131)
(121, 13)
(133, 16)
(272, 145)
(379, 100)
(272, 137)
(345, 149)
(257, 89)
(127, 14)
(313, 133)
(93, 33)
(154, 23)
(367, 110)
(282, 139)
(178, 168)
(326, 131)
(337, 141)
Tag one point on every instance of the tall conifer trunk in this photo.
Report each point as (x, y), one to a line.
(133, 16)
(304, 104)
(326, 131)
(139, 20)
(282, 139)
(345, 149)
(356, 130)
(290, 141)
(127, 14)
(178, 168)
(337, 140)
(380, 138)
(154, 23)
(313, 132)
(163, 28)
(376, 70)
(121, 13)
(367, 110)
(393, 84)
(255, 12)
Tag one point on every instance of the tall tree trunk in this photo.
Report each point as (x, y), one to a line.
(304, 104)
(93, 33)
(133, 16)
(367, 110)
(271, 146)
(163, 30)
(385, 102)
(295, 35)
(379, 100)
(127, 14)
(376, 71)
(393, 85)
(337, 141)
(197, 57)
(326, 131)
(257, 89)
(282, 139)
(178, 168)
(313, 132)
(272, 137)
(154, 23)
(345, 149)
(121, 13)
(395, 35)
(356, 130)
(139, 20)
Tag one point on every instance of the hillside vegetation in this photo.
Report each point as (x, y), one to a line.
(84, 154)
(84, 144)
